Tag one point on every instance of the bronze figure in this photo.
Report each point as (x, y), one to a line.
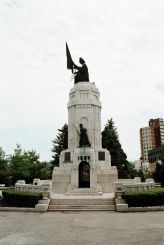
(80, 72)
(84, 141)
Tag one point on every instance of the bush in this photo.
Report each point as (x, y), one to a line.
(150, 198)
(20, 199)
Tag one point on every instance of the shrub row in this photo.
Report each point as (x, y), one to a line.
(20, 199)
(150, 198)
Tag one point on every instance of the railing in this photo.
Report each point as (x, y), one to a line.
(134, 185)
(37, 186)
(28, 188)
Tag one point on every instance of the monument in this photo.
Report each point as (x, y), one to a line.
(85, 167)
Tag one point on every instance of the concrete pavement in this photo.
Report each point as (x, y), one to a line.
(81, 228)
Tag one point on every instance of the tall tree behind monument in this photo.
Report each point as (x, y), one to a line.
(60, 143)
(110, 141)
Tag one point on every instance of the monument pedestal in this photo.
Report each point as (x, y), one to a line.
(84, 170)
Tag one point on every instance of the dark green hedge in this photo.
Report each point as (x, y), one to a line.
(20, 199)
(150, 198)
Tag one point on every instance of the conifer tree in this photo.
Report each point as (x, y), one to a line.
(3, 166)
(60, 143)
(110, 141)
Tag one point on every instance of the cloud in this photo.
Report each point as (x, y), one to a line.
(122, 43)
(160, 87)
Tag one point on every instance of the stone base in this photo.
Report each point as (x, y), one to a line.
(122, 207)
(41, 207)
(67, 180)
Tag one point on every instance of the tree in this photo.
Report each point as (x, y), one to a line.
(158, 174)
(2, 154)
(27, 166)
(110, 141)
(18, 168)
(3, 167)
(60, 143)
(161, 157)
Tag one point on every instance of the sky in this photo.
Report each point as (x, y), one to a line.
(122, 43)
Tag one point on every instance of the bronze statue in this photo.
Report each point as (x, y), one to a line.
(81, 74)
(84, 141)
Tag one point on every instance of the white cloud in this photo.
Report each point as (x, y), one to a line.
(122, 43)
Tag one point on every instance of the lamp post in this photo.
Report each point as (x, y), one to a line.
(142, 175)
(141, 161)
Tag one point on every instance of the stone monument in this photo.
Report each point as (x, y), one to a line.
(85, 166)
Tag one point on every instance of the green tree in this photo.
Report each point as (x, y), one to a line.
(18, 168)
(110, 141)
(60, 143)
(161, 157)
(2, 154)
(3, 166)
(27, 166)
(158, 174)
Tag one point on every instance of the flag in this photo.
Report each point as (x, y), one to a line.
(69, 59)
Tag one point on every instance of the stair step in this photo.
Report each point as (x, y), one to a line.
(84, 191)
(81, 207)
(82, 201)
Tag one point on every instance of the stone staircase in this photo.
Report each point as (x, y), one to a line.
(84, 191)
(82, 203)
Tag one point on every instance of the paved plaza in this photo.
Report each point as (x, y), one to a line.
(81, 228)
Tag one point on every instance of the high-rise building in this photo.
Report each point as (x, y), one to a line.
(157, 132)
(151, 137)
(146, 142)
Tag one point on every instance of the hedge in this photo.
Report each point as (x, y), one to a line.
(150, 198)
(20, 199)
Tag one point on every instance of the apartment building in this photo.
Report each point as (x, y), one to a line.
(151, 137)
(157, 132)
(146, 142)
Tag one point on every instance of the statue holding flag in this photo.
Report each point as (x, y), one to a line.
(80, 72)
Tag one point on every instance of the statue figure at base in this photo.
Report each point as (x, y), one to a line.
(84, 141)
(80, 72)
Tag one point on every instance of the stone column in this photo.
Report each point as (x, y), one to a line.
(84, 107)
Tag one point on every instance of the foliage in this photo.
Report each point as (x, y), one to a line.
(3, 167)
(161, 157)
(153, 197)
(110, 141)
(158, 174)
(60, 143)
(20, 199)
(2, 154)
(26, 165)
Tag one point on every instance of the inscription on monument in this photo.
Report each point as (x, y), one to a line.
(67, 157)
(101, 156)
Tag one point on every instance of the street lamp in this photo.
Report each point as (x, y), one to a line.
(141, 162)
(142, 175)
